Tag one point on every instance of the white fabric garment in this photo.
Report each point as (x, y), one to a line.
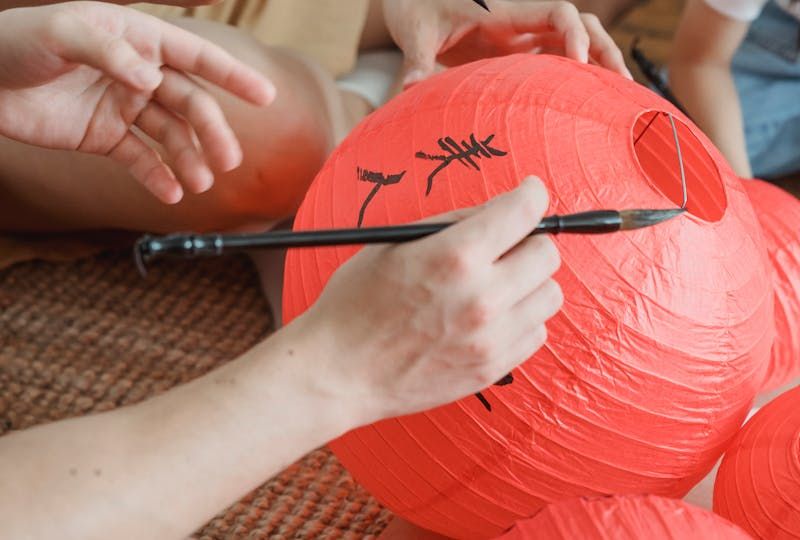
(748, 10)
(374, 76)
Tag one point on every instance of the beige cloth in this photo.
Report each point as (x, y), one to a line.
(327, 31)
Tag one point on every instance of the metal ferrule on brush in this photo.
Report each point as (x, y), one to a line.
(595, 222)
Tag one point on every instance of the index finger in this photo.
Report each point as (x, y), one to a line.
(185, 51)
(500, 224)
(603, 48)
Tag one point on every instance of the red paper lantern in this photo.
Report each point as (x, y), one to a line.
(779, 214)
(662, 343)
(625, 517)
(758, 483)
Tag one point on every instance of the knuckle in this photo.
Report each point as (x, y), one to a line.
(554, 296)
(113, 51)
(58, 24)
(475, 314)
(390, 261)
(450, 263)
(479, 354)
(199, 102)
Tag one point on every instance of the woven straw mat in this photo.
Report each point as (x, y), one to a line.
(91, 335)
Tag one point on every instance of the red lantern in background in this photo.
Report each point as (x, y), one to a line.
(758, 482)
(652, 364)
(625, 517)
(779, 214)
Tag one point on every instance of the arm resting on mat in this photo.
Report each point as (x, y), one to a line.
(700, 74)
(160, 468)
(399, 329)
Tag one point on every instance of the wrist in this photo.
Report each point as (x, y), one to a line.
(318, 365)
(335, 369)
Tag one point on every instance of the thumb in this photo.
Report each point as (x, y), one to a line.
(83, 43)
(420, 47)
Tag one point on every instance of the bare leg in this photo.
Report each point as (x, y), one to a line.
(284, 147)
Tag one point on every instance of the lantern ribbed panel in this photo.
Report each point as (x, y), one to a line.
(625, 517)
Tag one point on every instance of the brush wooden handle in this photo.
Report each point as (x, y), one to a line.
(210, 245)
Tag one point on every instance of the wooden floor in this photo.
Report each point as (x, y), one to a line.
(654, 22)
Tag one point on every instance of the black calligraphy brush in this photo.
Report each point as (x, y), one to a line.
(149, 248)
(482, 3)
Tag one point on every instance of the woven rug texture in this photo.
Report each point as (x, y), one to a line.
(92, 335)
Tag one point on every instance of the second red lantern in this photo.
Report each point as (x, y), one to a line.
(779, 214)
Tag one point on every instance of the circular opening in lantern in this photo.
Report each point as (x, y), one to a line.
(654, 145)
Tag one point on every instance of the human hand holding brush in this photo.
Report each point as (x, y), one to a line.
(398, 329)
(430, 321)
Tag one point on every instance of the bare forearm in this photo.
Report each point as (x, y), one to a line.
(162, 468)
(709, 94)
(700, 74)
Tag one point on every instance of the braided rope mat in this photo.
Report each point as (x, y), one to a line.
(91, 335)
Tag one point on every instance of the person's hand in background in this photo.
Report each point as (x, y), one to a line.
(414, 326)
(104, 79)
(453, 32)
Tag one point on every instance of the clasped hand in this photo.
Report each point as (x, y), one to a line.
(453, 32)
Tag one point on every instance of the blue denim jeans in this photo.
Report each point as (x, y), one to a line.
(766, 70)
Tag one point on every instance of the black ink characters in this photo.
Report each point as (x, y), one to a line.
(380, 180)
(508, 379)
(466, 153)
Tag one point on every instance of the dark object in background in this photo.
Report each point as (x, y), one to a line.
(654, 76)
